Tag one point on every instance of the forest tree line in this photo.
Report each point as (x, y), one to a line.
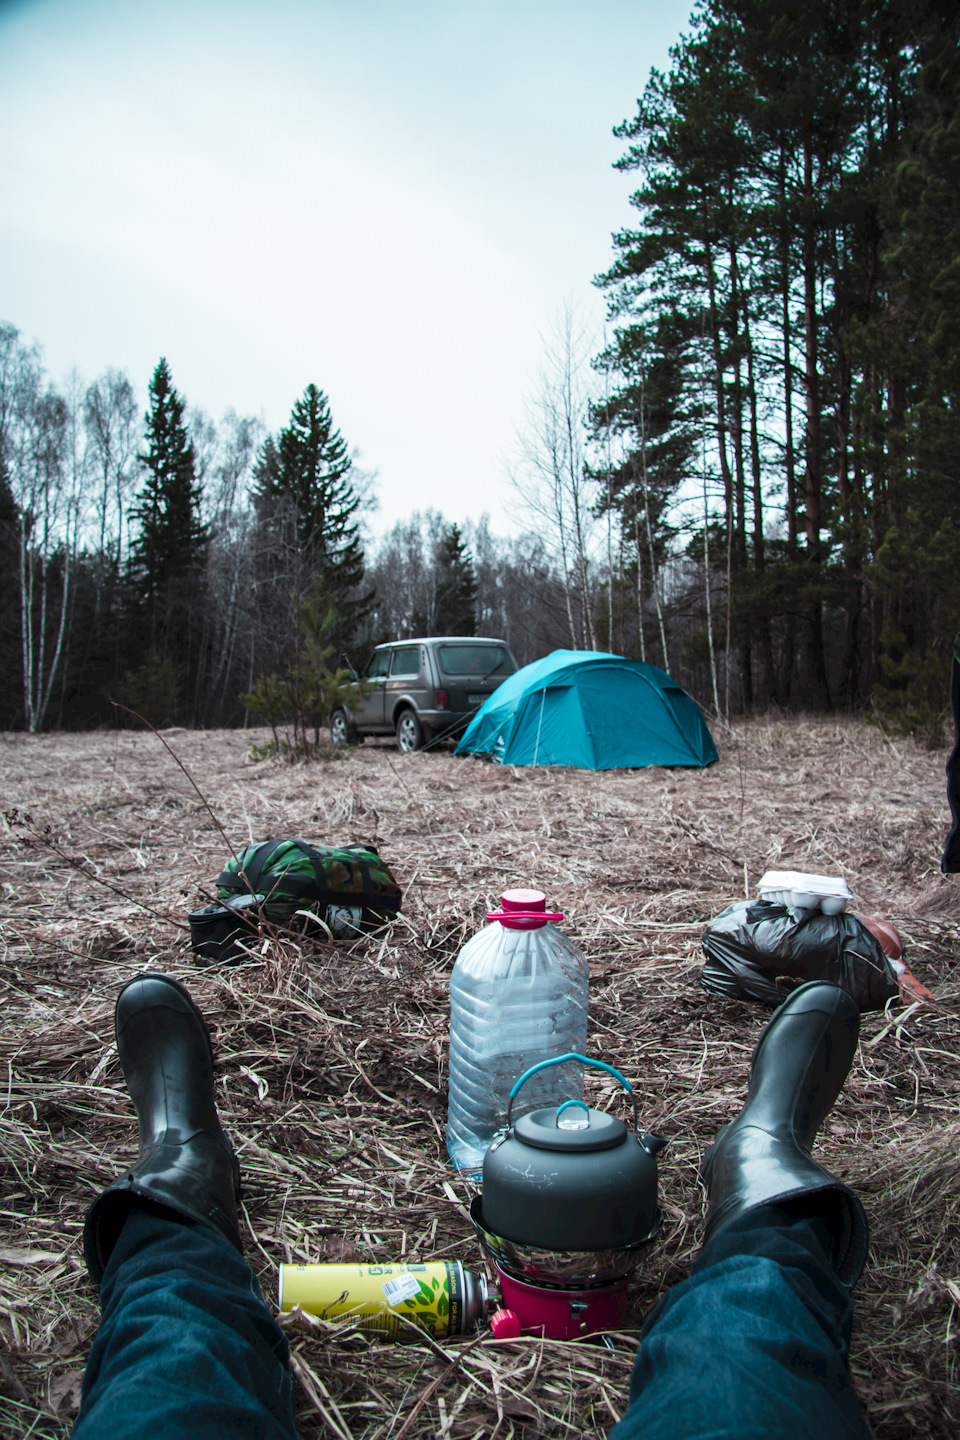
(784, 368)
(170, 564)
(751, 479)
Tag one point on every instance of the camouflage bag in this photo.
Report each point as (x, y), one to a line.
(348, 887)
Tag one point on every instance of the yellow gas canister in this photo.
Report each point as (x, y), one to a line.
(439, 1296)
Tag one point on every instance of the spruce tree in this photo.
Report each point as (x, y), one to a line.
(171, 542)
(167, 555)
(456, 604)
(304, 495)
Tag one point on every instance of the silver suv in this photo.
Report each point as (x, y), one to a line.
(424, 690)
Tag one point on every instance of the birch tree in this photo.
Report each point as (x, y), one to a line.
(110, 419)
(551, 474)
(231, 568)
(45, 476)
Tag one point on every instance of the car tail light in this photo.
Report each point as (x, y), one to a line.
(443, 700)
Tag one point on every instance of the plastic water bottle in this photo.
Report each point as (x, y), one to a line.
(519, 994)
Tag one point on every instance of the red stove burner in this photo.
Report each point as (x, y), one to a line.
(558, 1314)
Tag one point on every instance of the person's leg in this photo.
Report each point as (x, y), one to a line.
(186, 1162)
(797, 1070)
(186, 1345)
(753, 1345)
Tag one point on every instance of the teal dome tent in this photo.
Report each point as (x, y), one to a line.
(592, 711)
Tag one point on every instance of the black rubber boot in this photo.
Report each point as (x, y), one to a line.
(186, 1163)
(797, 1071)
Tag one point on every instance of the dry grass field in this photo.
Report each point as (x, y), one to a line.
(331, 1060)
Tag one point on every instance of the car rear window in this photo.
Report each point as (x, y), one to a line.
(406, 661)
(476, 660)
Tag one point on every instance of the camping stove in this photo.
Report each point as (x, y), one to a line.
(569, 1207)
(560, 1294)
(558, 1314)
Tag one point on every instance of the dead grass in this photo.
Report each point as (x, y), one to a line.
(331, 1061)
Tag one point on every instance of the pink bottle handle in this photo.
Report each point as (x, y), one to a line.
(523, 910)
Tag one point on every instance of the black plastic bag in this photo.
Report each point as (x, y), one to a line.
(754, 943)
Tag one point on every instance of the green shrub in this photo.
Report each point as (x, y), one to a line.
(151, 691)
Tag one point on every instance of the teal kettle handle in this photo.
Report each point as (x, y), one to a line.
(572, 1055)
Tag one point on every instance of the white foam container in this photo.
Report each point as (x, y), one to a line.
(803, 891)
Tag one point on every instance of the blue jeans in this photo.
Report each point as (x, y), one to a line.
(187, 1349)
(752, 1345)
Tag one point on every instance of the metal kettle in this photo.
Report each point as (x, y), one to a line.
(566, 1183)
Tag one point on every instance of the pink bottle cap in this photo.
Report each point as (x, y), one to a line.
(505, 1325)
(523, 910)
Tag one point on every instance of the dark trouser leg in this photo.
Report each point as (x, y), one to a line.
(753, 1345)
(186, 1345)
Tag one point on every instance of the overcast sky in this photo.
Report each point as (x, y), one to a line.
(388, 198)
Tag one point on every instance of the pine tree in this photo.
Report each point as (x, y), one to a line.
(796, 217)
(456, 603)
(915, 437)
(167, 555)
(649, 413)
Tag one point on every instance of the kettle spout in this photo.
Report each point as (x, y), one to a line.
(653, 1143)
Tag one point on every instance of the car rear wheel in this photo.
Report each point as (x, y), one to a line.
(410, 735)
(341, 731)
